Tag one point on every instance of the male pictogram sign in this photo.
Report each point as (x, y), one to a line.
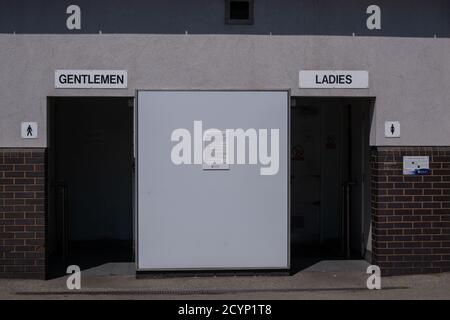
(29, 130)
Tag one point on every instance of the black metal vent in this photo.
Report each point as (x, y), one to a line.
(239, 12)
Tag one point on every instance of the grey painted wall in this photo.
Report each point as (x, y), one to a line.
(410, 77)
(406, 18)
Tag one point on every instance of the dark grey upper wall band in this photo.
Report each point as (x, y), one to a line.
(400, 18)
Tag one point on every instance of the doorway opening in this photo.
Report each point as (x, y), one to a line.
(90, 221)
(330, 179)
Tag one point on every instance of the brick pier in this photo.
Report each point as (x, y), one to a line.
(22, 213)
(410, 214)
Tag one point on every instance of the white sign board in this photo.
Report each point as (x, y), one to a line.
(392, 129)
(416, 165)
(29, 130)
(333, 79)
(192, 219)
(91, 79)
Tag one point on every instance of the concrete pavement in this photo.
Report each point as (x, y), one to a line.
(323, 280)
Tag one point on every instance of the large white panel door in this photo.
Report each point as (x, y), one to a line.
(189, 218)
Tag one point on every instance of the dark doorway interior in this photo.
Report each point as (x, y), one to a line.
(330, 204)
(90, 180)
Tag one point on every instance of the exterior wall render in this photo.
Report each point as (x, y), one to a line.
(409, 77)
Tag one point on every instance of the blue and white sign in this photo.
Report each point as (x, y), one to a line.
(416, 165)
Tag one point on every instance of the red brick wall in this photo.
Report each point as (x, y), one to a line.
(22, 213)
(410, 214)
